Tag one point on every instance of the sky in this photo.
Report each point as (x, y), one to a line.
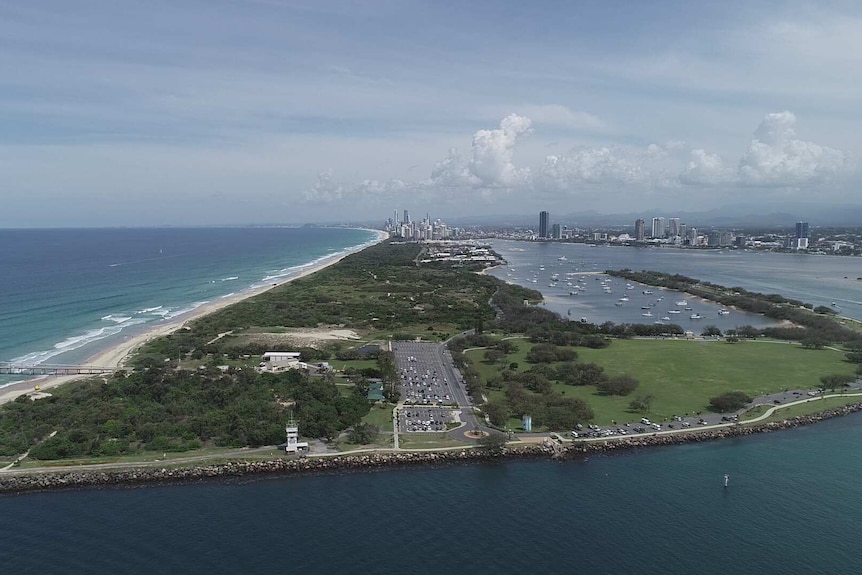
(171, 112)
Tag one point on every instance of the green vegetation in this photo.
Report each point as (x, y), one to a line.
(379, 291)
(675, 377)
(729, 401)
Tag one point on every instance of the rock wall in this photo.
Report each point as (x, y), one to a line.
(21, 481)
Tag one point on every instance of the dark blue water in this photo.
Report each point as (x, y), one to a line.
(793, 506)
(67, 294)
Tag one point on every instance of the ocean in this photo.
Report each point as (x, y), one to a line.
(68, 294)
(791, 507)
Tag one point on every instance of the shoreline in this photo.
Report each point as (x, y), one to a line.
(21, 482)
(116, 355)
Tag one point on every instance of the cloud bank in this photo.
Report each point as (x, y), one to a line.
(774, 158)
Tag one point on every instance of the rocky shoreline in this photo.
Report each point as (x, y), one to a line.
(23, 482)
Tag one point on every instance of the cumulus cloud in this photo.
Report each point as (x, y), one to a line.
(776, 156)
(491, 164)
(621, 165)
(326, 190)
(705, 168)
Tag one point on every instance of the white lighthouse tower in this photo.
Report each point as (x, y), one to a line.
(292, 431)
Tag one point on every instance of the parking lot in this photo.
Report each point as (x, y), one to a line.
(424, 419)
(429, 386)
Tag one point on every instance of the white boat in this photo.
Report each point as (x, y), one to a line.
(630, 286)
(619, 303)
(673, 311)
(562, 258)
(694, 316)
(573, 292)
(647, 314)
(647, 292)
(682, 302)
(624, 298)
(723, 312)
(665, 318)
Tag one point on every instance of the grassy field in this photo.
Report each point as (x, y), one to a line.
(380, 415)
(682, 375)
(426, 441)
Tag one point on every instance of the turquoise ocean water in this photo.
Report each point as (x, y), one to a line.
(68, 294)
(792, 506)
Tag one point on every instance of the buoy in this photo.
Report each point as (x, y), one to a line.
(726, 479)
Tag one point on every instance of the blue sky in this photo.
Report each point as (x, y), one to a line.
(239, 111)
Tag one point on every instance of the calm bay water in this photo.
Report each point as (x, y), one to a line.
(791, 508)
(819, 280)
(67, 294)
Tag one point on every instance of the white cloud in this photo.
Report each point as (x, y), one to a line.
(777, 157)
(491, 163)
(705, 168)
(559, 115)
(326, 190)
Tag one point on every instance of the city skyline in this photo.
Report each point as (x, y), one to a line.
(129, 114)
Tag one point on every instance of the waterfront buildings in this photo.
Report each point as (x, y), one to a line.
(640, 230)
(544, 224)
(658, 229)
(802, 234)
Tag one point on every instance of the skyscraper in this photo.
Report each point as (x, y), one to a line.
(544, 227)
(674, 227)
(801, 242)
(640, 230)
(557, 231)
(406, 217)
(658, 227)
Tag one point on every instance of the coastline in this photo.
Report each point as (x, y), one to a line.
(116, 356)
(19, 482)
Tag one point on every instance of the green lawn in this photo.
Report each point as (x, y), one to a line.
(426, 441)
(355, 364)
(380, 415)
(682, 375)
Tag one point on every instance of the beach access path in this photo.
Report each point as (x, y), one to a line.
(117, 356)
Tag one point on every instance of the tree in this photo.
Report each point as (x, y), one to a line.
(730, 401)
(711, 331)
(813, 343)
(494, 355)
(363, 433)
(836, 380)
(618, 385)
(641, 404)
(497, 412)
(854, 356)
(493, 442)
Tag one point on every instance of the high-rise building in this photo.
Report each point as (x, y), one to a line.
(406, 217)
(801, 242)
(681, 233)
(658, 229)
(557, 231)
(673, 230)
(544, 224)
(640, 230)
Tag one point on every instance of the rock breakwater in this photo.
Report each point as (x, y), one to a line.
(22, 481)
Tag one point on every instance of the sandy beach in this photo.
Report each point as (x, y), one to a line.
(116, 356)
